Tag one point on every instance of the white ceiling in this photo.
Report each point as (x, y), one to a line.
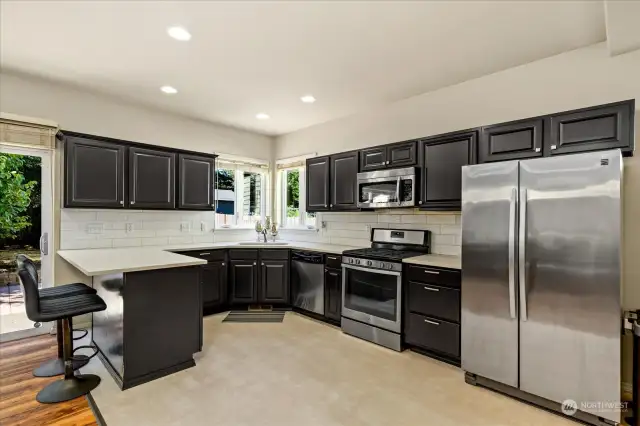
(250, 57)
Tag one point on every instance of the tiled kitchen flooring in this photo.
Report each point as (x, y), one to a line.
(301, 372)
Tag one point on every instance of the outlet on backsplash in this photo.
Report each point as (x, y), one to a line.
(128, 227)
(185, 226)
(94, 228)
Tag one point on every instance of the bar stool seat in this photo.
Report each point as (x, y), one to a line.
(61, 309)
(65, 290)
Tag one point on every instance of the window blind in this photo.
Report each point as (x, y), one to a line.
(27, 132)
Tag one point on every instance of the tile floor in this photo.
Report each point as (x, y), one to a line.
(301, 372)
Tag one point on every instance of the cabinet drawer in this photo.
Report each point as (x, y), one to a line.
(276, 254)
(438, 276)
(333, 261)
(434, 301)
(432, 334)
(208, 255)
(243, 254)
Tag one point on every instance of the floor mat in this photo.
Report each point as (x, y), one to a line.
(261, 316)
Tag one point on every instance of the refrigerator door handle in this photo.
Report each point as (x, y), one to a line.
(512, 252)
(522, 255)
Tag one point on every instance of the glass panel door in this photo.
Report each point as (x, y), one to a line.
(385, 191)
(27, 228)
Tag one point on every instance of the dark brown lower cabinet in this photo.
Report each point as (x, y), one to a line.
(214, 284)
(433, 334)
(274, 281)
(243, 281)
(332, 294)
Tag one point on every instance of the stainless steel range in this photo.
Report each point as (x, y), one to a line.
(372, 285)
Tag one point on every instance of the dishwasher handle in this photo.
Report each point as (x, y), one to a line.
(306, 257)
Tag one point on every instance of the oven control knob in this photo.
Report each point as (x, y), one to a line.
(389, 266)
(357, 261)
(382, 265)
(369, 263)
(350, 260)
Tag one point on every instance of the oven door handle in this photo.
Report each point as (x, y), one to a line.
(374, 271)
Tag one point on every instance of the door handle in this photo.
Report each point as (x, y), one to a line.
(431, 322)
(332, 258)
(255, 263)
(205, 254)
(522, 242)
(222, 263)
(333, 274)
(44, 243)
(426, 271)
(431, 289)
(512, 253)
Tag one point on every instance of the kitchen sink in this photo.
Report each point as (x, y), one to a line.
(270, 243)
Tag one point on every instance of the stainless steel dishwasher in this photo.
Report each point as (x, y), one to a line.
(307, 281)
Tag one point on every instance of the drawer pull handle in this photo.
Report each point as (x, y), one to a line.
(431, 272)
(332, 258)
(432, 289)
(431, 322)
(205, 254)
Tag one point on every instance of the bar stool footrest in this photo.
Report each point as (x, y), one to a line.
(84, 330)
(75, 358)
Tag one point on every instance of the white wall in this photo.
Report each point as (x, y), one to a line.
(99, 114)
(571, 80)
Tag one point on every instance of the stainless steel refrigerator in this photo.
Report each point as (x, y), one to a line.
(541, 280)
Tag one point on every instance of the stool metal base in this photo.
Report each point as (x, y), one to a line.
(55, 367)
(68, 389)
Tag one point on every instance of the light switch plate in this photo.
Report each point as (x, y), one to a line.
(368, 228)
(128, 227)
(185, 226)
(203, 226)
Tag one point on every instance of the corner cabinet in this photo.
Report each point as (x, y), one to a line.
(195, 188)
(94, 173)
(318, 184)
(344, 181)
(442, 160)
(151, 179)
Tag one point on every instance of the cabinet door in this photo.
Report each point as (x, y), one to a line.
(402, 154)
(443, 159)
(214, 283)
(344, 181)
(274, 281)
(94, 173)
(318, 184)
(195, 182)
(593, 129)
(244, 281)
(373, 159)
(511, 141)
(333, 294)
(151, 179)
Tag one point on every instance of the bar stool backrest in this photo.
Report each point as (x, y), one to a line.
(23, 259)
(31, 295)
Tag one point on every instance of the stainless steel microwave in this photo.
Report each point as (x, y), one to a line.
(387, 188)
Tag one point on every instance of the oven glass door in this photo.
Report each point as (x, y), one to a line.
(372, 296)
(385, 190)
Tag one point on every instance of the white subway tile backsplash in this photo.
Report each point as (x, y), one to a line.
(339, 233)
(111, 216)
(127, 242)
(450, 230)
(447, 250)
(203, 238)
(77, 215)
(351, 242)
(441, 219)
(418, 218)
(459, 219)
(181, 240)
(350, 217)
(164, 232)
(350, 226)
(389, 218)
(444, 239)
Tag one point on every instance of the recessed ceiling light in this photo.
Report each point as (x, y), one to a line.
(308, 99)
(169, 90)
(179, 33)
(262, 116)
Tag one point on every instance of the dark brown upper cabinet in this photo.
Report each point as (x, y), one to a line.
(402, 154)
(593, 129)
(344, 181)
(318, 184)
(151, 179)
(94, 173)
(443, 158)
(195, 182)
(511, 141)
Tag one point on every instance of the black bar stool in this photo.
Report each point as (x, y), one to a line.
(55, 367)
(61, 308)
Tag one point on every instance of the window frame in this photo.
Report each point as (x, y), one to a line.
(302, 200)
(238, 189)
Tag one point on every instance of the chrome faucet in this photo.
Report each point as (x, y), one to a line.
(264, 234)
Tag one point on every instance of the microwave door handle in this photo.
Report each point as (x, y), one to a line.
(398, 190)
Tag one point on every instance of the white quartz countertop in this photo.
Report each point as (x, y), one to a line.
(437, 260)
(93, 262)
